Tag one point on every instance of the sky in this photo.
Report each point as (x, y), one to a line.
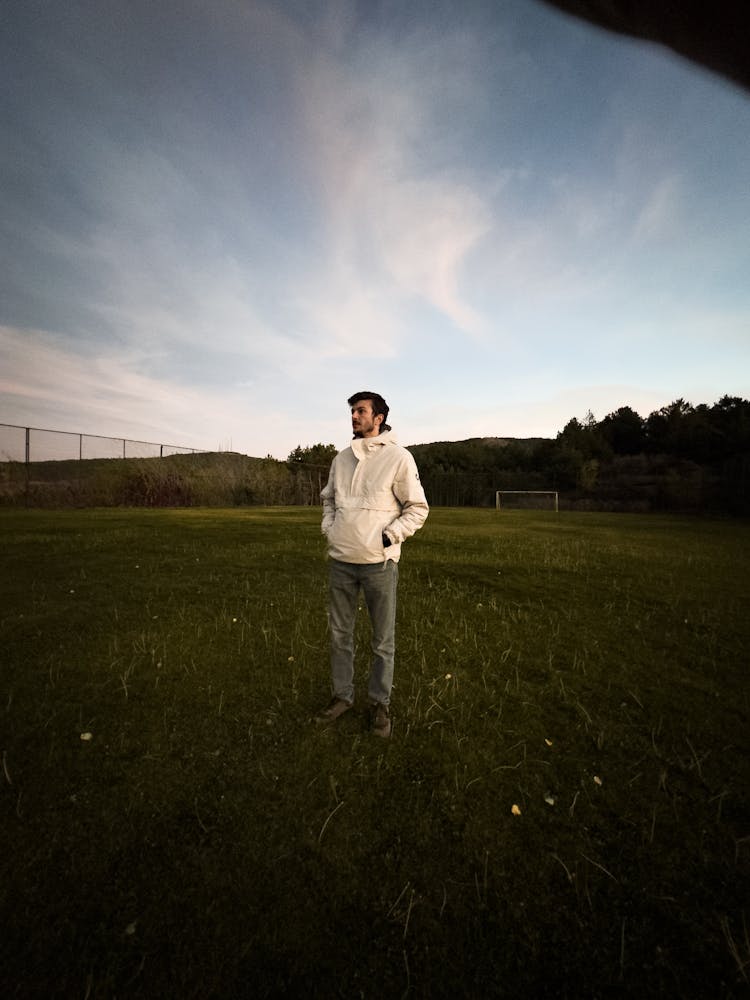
(221, 218)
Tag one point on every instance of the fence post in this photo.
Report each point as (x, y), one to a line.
(28, 431)
(80, 447)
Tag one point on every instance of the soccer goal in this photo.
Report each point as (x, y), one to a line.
(526, 500)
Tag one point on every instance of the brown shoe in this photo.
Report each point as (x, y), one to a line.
(380, 720)
(334, 708)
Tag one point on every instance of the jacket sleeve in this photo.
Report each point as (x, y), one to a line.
(409, 492)
(327, 495)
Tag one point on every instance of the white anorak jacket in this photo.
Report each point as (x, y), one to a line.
(373, 488)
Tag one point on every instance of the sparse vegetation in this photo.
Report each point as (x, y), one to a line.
(563, 810)
(223, 479)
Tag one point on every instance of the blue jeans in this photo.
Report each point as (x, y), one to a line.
(378, 582)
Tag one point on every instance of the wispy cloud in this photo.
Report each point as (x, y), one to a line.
(661, 215)
(41, 375)
(390, 214)
(222, 224)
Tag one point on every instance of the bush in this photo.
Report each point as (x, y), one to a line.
(154, 487)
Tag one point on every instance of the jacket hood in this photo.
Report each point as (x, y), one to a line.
(362, 445)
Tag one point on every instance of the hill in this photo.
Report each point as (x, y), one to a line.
(211, 479)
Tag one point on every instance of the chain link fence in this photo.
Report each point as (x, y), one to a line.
(35, 444)
(48, 468)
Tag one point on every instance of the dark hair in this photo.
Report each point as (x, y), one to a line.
(379, 405)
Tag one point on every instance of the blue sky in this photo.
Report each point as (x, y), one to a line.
(220, 219)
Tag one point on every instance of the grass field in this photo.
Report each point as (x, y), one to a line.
(563, 809)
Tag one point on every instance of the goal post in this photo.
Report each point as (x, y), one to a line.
(527, 499)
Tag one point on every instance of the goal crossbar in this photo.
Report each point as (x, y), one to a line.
(525, 493)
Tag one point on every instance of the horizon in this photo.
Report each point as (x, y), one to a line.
(10, 448)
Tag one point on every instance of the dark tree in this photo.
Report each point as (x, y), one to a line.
(320, 455)
(625, 431)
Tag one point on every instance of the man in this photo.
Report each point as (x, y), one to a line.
(373, 500)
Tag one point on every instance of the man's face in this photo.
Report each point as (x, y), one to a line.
(364, 422)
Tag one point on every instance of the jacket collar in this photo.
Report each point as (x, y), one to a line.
(364, 446)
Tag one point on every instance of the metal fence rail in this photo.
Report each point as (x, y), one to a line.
(36, 444)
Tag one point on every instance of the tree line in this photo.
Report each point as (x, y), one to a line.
(680, 457)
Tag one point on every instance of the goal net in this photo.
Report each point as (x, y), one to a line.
(526, 500)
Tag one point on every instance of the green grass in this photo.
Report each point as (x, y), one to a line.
(209, 841)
